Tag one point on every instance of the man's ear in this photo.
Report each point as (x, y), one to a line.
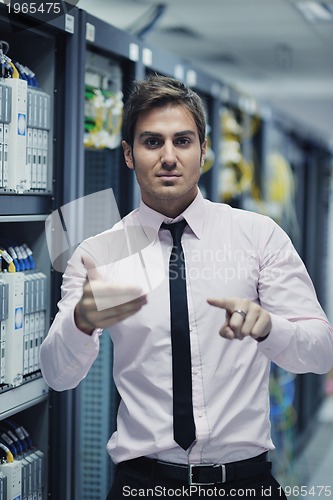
(203, 152)
(128, 154)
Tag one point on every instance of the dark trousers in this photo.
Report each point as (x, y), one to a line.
(130, 484)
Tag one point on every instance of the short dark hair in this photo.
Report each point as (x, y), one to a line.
(157, 91)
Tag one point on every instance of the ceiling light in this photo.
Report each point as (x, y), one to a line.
(316, 11)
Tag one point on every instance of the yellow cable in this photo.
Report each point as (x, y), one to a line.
(237, 178)
(11, 268)
(281, 185)
(16, 74)
(9, 455)
(7, 258)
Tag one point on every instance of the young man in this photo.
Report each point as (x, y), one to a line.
(248, 301)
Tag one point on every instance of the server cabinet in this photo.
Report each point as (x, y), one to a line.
(31, 186)
(283, 178)
(317, 161)
(242, 150)
(108, 61)
(209, 90)
(298, 164)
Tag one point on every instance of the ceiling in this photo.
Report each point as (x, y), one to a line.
(265, 48)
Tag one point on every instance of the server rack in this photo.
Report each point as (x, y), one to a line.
(310, 160)
(310, 157)
(115, 56)
(318, 161)
(209, 90)
(242, 151)
(47, 45)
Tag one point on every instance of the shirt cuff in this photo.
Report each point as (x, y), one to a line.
(78, 340)
(279, 337)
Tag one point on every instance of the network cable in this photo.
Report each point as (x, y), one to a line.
(17, 431)
(7, 441)
(8, 434)
(7, 261)
(5, 453)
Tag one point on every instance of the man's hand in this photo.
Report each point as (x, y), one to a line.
(243, 318)
(97, 309)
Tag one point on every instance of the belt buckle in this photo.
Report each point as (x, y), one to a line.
(191, 467)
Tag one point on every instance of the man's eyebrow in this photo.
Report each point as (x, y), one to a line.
(185, 132)
(150, 134)
(147, 133)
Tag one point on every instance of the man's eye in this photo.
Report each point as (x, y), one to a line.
(152, 143)
(183, 141)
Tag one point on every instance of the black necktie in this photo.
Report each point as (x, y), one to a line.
(183, 421)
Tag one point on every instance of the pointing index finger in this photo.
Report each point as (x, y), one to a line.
(227, 304)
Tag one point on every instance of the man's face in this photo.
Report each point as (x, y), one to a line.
(167, 158)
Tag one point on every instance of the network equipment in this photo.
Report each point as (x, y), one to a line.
(23, 305)
(21, 464)
(25, 122)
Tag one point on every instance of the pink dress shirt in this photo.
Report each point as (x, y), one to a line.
(228, 253)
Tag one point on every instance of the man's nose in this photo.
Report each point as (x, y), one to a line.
(168, 157)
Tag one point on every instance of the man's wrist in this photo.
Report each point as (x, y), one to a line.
(82, 321)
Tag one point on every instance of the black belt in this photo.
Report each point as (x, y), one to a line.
(200, 474)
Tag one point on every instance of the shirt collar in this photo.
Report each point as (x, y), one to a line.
(194, 214)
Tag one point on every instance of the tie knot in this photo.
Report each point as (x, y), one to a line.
(176, 230)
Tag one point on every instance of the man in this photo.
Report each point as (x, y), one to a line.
(248, 298)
